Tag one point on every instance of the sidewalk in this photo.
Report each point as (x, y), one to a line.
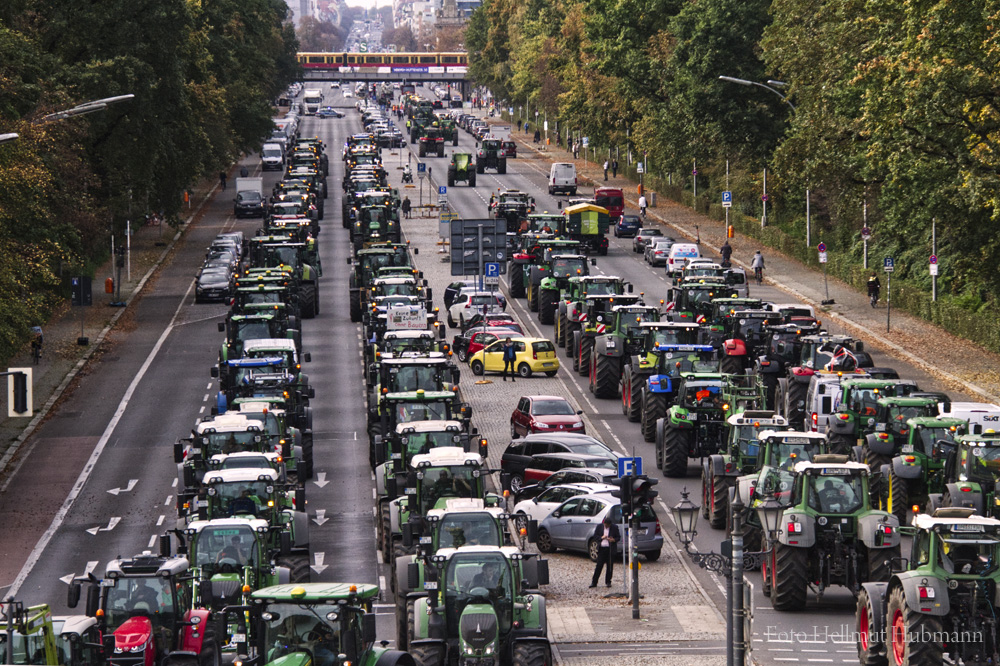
(959, 364)
(62, 357)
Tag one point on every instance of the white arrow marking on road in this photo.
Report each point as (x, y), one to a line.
(112, 524)
(320, 517)
(321, 479)
(127, 489)
(319, 566)
(68, 578)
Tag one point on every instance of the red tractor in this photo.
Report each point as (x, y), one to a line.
(148, 616)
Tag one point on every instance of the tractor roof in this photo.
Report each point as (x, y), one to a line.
(228, 422)
(793, 436)
(418, 358)
(269, 457)
(669, 324)
(446, 455)
(757, 418)
(510, 552)
(429, 426)
(831, 469)
(937, 422)
(256, 406)
(147, 564)
(328, 593)
(408, 335)
(465, 505)
(256, 524)
(420, 395)
(268, 344)
(955, 519)
(241, 475)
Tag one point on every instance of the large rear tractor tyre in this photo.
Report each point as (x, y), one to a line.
(533, 297)
(516, 281)
(911, 634)
(718, 498)
(789, 583)
(428, 654)
(586, 349)
(210, 654)
(676, 447)
(298, 567)
(386, 543)
(839, 444)
(875, 462)
(899, 497)
(632, 396)
(533, 653)
(547, 299)
(869, 643)
(355, 301)
(795, 404)
(731, 365)
(653, 408)
(880, 564)
(561, 330)
(607, 372)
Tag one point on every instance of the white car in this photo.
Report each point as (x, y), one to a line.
(538, 508)
(348, 93)
(474, 302)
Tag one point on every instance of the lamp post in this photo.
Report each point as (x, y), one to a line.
(84, 108)
(745, 82)
(7, 138)
(730, 563)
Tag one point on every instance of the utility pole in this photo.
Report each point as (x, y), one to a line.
(808, 230)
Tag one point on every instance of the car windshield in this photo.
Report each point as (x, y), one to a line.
(249, 197)
(551, 408)
(468, 529)
(613, 201)
(835, 494)
(645, 514)
(235, 545)
(308, 629)
(272, 152)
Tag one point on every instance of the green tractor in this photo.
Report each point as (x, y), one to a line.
(857, 403)
(971, 471)
(571, 306)
(449, 130)
(940, 608)
(33, 636)
(588, 224)
(390, 376)
(419, 405)
(462, 169)
(372, 225)
(541, 267)
(657, 355)
(241, 328)
(273, 251)
(366, 264)
(694, 300)
(619, 337)
(314, 623)
(491, 156)
(694, 426)
(828, 535)
(531, 250)
(554, 280)
(476, 605)
(917, 471)
(740, 456)
(887, 430)
(590, 315)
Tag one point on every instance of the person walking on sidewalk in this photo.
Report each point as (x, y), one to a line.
(609, 535)
(406, 207)
(726, 251)
(538, 135)
(614, 168)
(222, 179)
(509, 357)
(757, 264)
(605, 171)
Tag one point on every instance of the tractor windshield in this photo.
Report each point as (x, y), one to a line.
(321, 632)
(447, 482)
(603, 288)
(675, 364)
(746, 439)
(400, 345)
(931, 438)
(399, 289)
(468, 529)
(260, 297)
(984, 462)
(786, 453)
(229, 442)
(973, 552)
(898, 415)
(478, 578)
(421, 411)
(27, 649)
(241, 497)
(569, 267)
(148, 596)
(835, 494)
(631, 322)
(254, 329)
(216, 547)
(414, 378)
(268, 421)
(422, 442)
(702, 395)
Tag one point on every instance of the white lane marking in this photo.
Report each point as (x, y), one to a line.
(152, 541)
(174, 484)
(209, 387)
(321, 479)
(159, 521)
(205, 399)
(85, 473)
(168, 500)
(202, 410)
(320, 517)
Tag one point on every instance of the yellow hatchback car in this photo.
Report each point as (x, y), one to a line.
(533, 355)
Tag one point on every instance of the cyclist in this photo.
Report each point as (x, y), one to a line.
(757, 264)
(726, 251)
(874, 286)
(36, 343)
(642, 205)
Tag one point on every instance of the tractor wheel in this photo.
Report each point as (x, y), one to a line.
(421, 151)
(767, 563)
(654, 408)
(307, 300)
(355, 301)
(533, 297)
(840, 444)
(789, 578)
(560, 330)
(428, 654)
(401, 620)
(911, 634)
(869, 644)
(880, 564)
(534, 653)
(411, 620)
(607, 372)
(516, 281)
(586, 349)
(795, 403)
(661, 427)
(375, 458)
(547, 299)
(568, 339)
(210, 654)
(731, 365)
(451, 179)
(398, 551)
(676, 446)
(454, 138)
(440, 150)
(632, 396)
(752, 540)
(899, 496)
(480, 168)
(298, 566)
(718, 497)
(385, 528)
(875, 461)
(472, 178)
(502, 166)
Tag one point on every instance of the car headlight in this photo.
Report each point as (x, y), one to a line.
(578, 424)
(542, 425)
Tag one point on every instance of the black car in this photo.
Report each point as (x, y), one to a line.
(568, 475)
(248, 204)
(519, 458)
(215, 283)
(453, 289)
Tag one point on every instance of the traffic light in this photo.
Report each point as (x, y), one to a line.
(20, 381)
(624, 493)
(641, 491)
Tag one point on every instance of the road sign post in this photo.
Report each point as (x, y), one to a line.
(821, 248)
(889, 265)
(934, 274)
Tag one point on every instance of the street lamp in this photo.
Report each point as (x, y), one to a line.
(730, 563)
(744, 82)
(84, 108)
(7, 138)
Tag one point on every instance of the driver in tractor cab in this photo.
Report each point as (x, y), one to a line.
(231, 446)
(489, 578)
(232, 552)
(245, 503)
(447, 485)
(322, 641)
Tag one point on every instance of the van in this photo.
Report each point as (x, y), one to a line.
(679, 254)
(822, 400)
(272, 157)
(562, 178)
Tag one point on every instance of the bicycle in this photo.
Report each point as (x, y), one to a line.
(873, 297)
(758, 275)
(36, 350)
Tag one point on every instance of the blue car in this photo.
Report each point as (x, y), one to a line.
(627, 226)
(329, 112)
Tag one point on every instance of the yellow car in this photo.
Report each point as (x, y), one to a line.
(533, 355)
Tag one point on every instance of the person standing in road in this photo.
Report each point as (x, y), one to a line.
(244, 172)
(609, 535)
(406, 207)
(726, 251)
(605, 171)
(614, 168)
(222, 179)
(509, 357)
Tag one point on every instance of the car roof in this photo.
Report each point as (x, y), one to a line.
(568, 455)
(586, 487)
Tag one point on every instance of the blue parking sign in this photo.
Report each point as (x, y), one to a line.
(627, 465)
(492, 269)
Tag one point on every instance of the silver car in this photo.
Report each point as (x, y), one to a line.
(657, 251)
(573, 525)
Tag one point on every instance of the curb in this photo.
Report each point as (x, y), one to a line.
(42, 413)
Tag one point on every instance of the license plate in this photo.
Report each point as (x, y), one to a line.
(692, 417)
(907, 448)
(547, 365)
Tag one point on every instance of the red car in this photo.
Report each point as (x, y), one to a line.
(474, 339)
(545, 413)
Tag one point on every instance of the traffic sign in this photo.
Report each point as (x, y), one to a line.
(821, 247)
(866, 233)
(442, 189)
(822, 257)
(933, 259)
(465, 244)
(627, 465)
(492, 281)
(934, 269)
(492, 269)
(638, 168)
(889, 264)
(586, 141)
(421, 169)
(727, 199)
